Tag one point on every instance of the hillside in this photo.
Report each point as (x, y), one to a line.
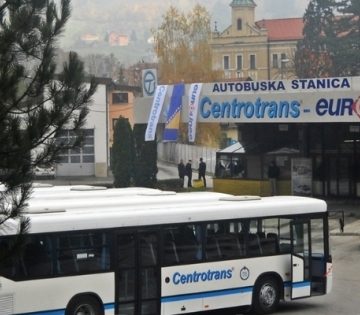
(136, 18)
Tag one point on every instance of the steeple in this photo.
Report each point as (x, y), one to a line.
(242, 16)
(243, 3)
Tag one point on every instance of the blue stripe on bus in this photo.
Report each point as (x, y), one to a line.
(53, 312)
(109, 306)
(201, 295)
(301, 284)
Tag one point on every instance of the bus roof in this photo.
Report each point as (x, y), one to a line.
(153, 207)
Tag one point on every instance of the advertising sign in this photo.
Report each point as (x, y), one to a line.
(284, 101)
(301, 176)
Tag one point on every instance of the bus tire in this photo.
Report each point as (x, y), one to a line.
(84, 304)
(266, 295)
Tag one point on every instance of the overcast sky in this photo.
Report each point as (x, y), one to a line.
(280, 8)
(266, 9)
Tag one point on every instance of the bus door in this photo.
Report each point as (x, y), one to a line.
(137, 273)
(300, 259)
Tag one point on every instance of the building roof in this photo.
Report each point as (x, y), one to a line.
(237, 147)
(242, 3)
(283, 29)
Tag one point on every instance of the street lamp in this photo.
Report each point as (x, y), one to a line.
(283, 62)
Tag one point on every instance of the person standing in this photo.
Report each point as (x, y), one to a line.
(202, 171)
(188, 172)
(273, 175)
(181, 170)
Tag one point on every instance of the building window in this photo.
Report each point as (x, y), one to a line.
(239, 24)
(85, 154)
(120, 98)
(275, 61)
(239, 62)
(226, 62)
(252, 62)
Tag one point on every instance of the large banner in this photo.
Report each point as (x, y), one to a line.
(285, 101)
(155, 112)
(319, 100)
(172, 123)
(194, 95)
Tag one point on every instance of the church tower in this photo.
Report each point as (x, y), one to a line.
(243, 17)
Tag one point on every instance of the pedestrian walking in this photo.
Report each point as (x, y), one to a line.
(202, 171)
(181, 171)
(188, 172)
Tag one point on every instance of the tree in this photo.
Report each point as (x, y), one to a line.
(145, 159)
(184, 55)
(36, 105)
(122, 154)
(345, 43)
(182, 48)
(331, 42)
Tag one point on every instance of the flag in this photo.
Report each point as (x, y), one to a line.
(155, 112)
(173, 116)
(194, 95)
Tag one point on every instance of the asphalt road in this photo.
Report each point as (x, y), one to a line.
(345, 296)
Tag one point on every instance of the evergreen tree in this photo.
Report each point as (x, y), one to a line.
(145, 159)
(312, 59)
(122, 154)
(331, 43)
(344, 45)
(35, 104)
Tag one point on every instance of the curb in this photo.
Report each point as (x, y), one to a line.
(344, 234)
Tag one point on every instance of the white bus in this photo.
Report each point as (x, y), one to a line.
(163, 253)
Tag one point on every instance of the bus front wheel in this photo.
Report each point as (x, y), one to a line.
(266, 295)
(84, 305)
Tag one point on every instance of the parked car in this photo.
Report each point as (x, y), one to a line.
(45, 172)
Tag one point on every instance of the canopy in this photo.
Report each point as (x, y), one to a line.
(234, 148)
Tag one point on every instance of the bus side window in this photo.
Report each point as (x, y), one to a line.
(66, 263)
(254, 246)
(253, 241)
(269, 237)
(82, 252)
(7, 265)
(212, 248)
(284, 236)
(170, 251)
(37, 258)
(148, 244)
(188, 248)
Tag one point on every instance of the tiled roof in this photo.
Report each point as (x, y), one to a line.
(283, 29)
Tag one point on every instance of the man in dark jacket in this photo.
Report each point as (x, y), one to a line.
(181, 170)
(273, 175)
(202, 171)
(188, 172)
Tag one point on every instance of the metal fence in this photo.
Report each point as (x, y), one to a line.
(174, 152)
